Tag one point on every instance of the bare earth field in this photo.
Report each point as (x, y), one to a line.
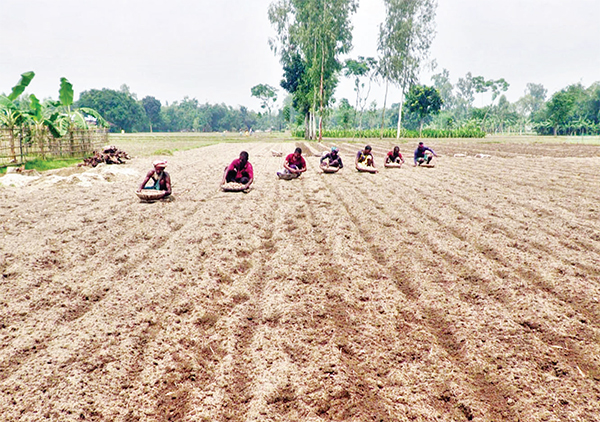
(468, 291)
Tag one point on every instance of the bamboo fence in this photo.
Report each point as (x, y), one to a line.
(20, 145)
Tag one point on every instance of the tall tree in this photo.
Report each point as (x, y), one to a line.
(344, 114)
(152, 107)
(359, 69)
(538, 93)
(558, 109)
(118, 107)
(592, 104)
(496, 86)
(504, 115)
(311, 35)
(441, 82)
(529, 105)
(466, 94)
(424, 101)
(295, 82)
(404, 41)
(266, 94)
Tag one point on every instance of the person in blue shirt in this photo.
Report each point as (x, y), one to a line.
(423, 155)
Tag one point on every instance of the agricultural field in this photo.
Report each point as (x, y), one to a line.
(467, 291)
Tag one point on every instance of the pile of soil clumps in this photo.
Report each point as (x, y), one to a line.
(110, 155)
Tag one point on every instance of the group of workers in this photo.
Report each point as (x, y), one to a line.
(365, 161)
(240, 170)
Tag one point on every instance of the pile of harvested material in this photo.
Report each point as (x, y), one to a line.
(110, 155)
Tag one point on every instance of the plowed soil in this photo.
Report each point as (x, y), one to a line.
(467, 291)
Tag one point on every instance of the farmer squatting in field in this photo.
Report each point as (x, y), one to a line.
(422, 156)
(161, 179)
(394, 158)
(332, 159)
(364, 160)
(239, 171)
(293, 165)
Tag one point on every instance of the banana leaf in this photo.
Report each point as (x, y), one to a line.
(90, 111)
(65, 94)
(19, 88)
(36, 108)
(55, 131)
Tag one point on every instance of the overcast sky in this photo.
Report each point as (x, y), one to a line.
(216, 50)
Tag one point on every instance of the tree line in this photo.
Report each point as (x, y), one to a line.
(442, 106)
(125, 112)
(573, 110)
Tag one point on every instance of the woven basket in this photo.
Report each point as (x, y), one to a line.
(287, 176)
(366, 169)
(330, 169)
(150, 194)
(233, 187)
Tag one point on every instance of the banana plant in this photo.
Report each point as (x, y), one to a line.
(10, 115)
(41, 119)
(69, 118)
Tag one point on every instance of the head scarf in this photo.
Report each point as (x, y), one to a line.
(160, 163)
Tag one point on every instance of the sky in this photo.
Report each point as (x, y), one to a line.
(217, 50)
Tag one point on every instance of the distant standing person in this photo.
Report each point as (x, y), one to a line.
(239, 171)
(364, 160)
(160, 178)
(394, 158)
(293, 165)
(423, 155)
(332, 159)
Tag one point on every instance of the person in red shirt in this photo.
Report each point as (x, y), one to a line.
(394, 157)
(293, 166)
(239, 171)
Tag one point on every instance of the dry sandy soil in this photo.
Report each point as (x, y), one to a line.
(468, 291)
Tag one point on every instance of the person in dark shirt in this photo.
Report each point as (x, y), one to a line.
(332, 159)
(293, 166)
(160, 178)
(423, 155)
(394, 157)
(239, 171)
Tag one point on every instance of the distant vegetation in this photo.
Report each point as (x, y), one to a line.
(574, 110)
(465, 132)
